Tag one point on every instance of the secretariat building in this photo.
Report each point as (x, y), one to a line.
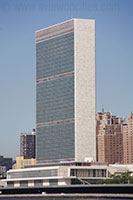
(65, 97)
(65, 110)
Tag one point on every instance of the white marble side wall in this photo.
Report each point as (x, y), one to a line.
(85, 96)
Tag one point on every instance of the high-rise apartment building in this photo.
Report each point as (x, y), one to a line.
(109, 138)
(65, 102)
(28, 144)
(127, 129)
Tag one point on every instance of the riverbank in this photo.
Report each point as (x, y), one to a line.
(71, 189)
(22, 196)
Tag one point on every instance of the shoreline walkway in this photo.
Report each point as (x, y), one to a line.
(62, 195)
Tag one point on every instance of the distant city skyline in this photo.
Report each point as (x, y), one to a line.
(114, 63)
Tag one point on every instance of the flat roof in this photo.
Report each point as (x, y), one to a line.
(72, 19)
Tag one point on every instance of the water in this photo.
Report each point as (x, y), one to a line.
(64, 198)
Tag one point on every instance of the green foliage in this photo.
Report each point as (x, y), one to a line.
(123, 178)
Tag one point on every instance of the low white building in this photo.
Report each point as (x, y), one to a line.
(64, 173)
(61, 174)
(120, 168)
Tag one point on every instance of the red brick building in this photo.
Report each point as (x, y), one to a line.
(127, 129)
(109, 138)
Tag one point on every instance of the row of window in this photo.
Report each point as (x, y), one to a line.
(56, 117)
(57, 94)
(64, 100)
(32, 174)
(58, 156)
(62, 59)
(88, 172)
(63, 107)
(54, 74)
(55, 50)
(53, 89)
(56, 40)
(56, 112)
(61, 56)
(60, 44)
(52, 54)
(55, 142)
(61, 81)
(57, 128)
(58, 149)
(54, 94)
(47, 71)
(59, 135)
(56, 122)
(58, 47)
(56, 67)
(37, 183)
(42, 103)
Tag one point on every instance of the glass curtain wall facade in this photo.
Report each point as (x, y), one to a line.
(55, 98)
(65, 99)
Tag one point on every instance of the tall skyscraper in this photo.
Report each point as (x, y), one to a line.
(27, 144)
(65, 82)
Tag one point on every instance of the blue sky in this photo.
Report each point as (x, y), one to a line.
(19, 19)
